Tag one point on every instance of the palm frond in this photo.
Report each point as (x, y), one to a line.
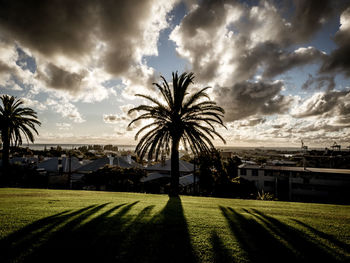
(191, 118)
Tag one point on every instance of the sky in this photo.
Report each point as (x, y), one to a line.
(280, 69)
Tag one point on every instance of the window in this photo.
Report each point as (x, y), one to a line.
(243, 172)
(254, 172)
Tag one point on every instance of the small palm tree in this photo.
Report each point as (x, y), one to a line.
(15, 121)
(182, 117)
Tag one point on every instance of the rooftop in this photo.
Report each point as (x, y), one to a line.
(166, 166)
(295, 169)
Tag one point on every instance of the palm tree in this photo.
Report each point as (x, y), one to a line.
(181, 117)
(15, 122)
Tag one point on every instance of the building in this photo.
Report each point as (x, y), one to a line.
(158, 176)
(93, 166)
(59, 165)
(299, 183)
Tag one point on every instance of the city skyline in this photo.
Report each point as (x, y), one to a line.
(280, 69)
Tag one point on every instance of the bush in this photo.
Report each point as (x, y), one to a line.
(115, 179)
(22, 176)
(265, 196)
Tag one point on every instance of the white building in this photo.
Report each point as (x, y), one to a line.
(298, 183)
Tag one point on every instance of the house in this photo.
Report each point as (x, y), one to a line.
(59, 165)
(58, 170)
(299, 183)
(120, 161)
(158, 176)
(165, 167)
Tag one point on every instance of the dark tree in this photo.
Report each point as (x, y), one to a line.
(181, 118)
(15, 122)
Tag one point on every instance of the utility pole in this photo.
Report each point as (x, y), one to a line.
(70, 169)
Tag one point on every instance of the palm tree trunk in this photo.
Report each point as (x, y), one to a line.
(5, 149)
(175, 173)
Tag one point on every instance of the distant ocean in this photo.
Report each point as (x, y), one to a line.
(132, 147)
(38, 147)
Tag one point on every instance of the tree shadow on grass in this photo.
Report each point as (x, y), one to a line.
(220, 252)
(331, 239)
(114, 235)
(264, 238)
(164, 238)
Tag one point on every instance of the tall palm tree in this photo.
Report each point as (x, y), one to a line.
(180, 117)
(15, 121)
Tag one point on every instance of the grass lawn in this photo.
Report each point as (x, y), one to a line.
(85, 226)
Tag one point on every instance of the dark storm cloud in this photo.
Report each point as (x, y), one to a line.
(4, 68)
(248, 99)
(207, 17)
(280, 62)
(75, 28)
(319, 82)
(261, 40)
(339, 59)
(275, 60)
(58, 78)
(309, 17)
(49, 27)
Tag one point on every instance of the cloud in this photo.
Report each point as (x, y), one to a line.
(319, 82)
(113, 118)
(322, 125)
(34, 104)
(58, 78)
(246, 99)
(69, 39)
(339, 60)
(280, 62)
(66, 109)
(252, 122)
(228, 42)
(63, 126)
(309, 17)
(326, 104)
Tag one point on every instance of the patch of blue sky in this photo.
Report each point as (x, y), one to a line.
(168, 60)
(25, 61)
(295, 78)
(323, 39)
(111, 83)
(342, 82)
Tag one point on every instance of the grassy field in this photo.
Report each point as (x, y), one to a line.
(84, 226)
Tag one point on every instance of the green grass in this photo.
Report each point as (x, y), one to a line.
(83, 226)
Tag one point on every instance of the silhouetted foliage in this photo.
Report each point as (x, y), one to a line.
(219, 178)
(115, 179)
(15, 122)
(183, 118)
(22, 176)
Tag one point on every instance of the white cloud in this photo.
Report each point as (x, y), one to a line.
(63, 126)
(66, 109)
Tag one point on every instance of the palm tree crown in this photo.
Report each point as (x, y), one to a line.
(181, 117)
(15, 122)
